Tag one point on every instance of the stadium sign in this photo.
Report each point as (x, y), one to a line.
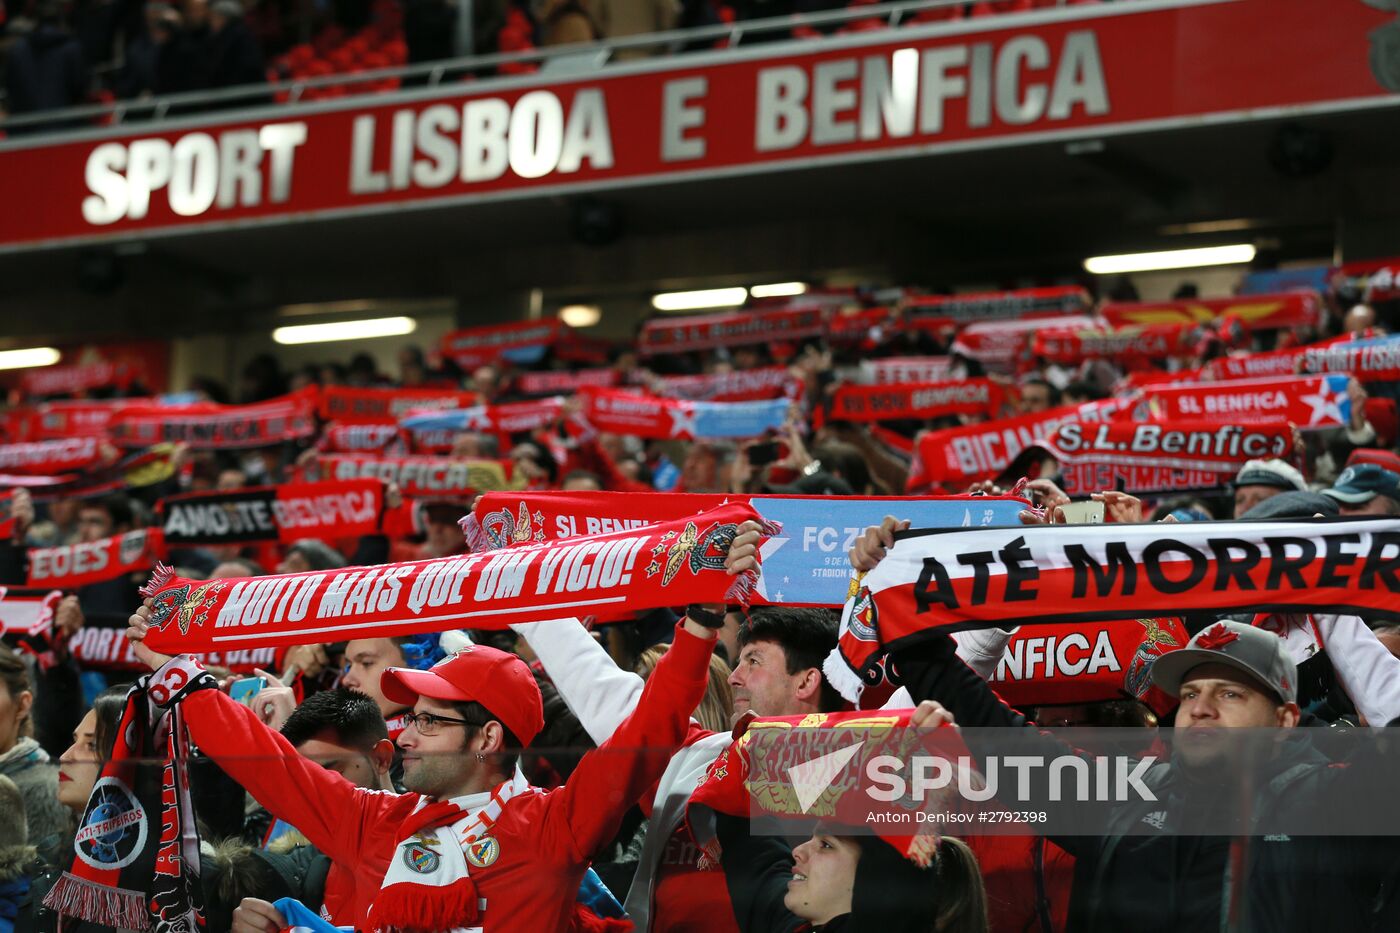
(1045, 75)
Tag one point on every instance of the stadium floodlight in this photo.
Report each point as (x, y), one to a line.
(698, 300)
(28, 358)
(580, 315)
(779, 290)
(1171, 259)
(345, 330)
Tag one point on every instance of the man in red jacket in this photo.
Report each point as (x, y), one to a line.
(472, 846)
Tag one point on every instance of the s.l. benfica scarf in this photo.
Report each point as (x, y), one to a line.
(669, 564)
(1141, 342)
(136, 852)
(980, 397)
(1157, 457)
(745, 385)
(761, 772)
(957, 456)
(953, 580)
(620, 412)
(708, 331)
(73, 565)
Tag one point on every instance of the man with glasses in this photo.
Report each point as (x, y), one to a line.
(472, 845)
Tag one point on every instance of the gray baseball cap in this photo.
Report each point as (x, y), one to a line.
(1255, 651)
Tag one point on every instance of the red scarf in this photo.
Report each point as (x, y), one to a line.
(1314, 402)
(73, 565)
(47, 458)
(554, 383)
(108, 649)
(708, 331)
(1140, 342)
(208, 426)
(957, 456)
(738, 386)
(1087, 662)
(52, 380)
(669, 564)
(741, 782)
(348, 405)
(1156, 457)
(933, 311)
(328, 510)
(339, 438)
(901, 369)
(476, 346)
(1257, 312)
(979, 397)
(423, 477)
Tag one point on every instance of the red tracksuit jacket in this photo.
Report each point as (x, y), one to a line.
(546, 838)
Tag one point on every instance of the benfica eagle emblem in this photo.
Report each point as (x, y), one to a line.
(1156, 641)
(690, 548)
(181, 603)
(504, 529)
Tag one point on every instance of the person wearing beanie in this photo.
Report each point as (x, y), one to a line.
(471, 844)
(1261, 479)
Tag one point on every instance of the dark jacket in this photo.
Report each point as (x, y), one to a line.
(1138, 874)
(45, 71)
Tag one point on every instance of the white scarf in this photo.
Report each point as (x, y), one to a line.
(428, 885)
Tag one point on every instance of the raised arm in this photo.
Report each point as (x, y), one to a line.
(596, 690)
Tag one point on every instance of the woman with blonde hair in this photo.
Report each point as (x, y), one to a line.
(714, 712)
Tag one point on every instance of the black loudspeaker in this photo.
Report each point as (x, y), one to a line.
(1300, 152)
(594, 222)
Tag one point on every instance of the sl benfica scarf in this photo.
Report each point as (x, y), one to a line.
(422, 477)
(348, 405)
(748, 385)
(1375, 360)
(554, 383)
(328, 510)
(742, 781)
(136, 863)
(523, 342)
(952, 580)
(1142, 342)
(1256, 312)
(1003, 343)
(619, 412)
(60, 420)
(1156, 457)
(708, 331)
(74, 565)
(47, 458)
(428, 886)
(978, 397)
(1311, 402)
(1087, 662)
(52, 380)
(208, 426)
(667, 564)
(957, 456)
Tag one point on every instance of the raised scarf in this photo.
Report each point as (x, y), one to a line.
(328, 510)
(348, 405)
(47, 458)
(1132, 342)
(70, 566)
(1256, 312)
(708, 331)
(744, 385)
(136, 862)
(1375, 360)
(669, 564)
(518, 342)
(421, 477)
(209, 426)
(950, 310)
(1311, 402)
(620, 412)
(947, 581)
(980, 397)
(510, 418)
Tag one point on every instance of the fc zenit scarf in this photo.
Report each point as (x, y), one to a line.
(669, 564)
(327, 510)
(73, 565)
(980, 397)
(952, 580)
(136, 862)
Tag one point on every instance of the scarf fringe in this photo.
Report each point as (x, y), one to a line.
(160, 578)
(416, 908)
(477, 541)
(99, 904)
(839, 674)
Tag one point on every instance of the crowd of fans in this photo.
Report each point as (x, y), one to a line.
(317, 786)
(58, 54)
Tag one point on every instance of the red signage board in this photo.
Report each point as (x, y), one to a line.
(1055, 74)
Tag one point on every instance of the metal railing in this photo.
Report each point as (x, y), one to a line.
(597, 54)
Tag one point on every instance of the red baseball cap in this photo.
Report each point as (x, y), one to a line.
(497, 680)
